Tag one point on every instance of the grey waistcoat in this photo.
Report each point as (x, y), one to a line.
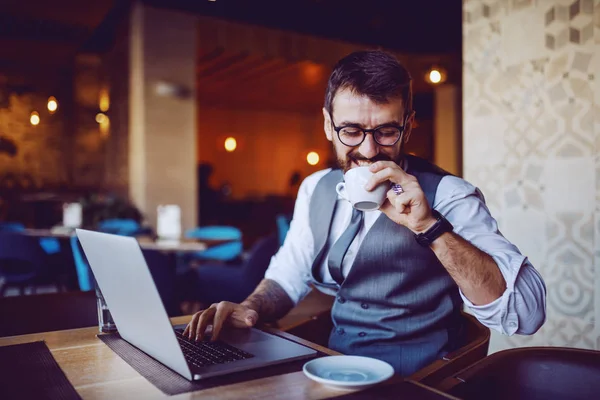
(398, 303)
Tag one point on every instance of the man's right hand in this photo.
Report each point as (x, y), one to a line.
(217, 315)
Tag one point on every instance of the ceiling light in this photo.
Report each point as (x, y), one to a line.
(435, 76)
(312, 158)
(52, 104)
(230, 144)
(34, 119)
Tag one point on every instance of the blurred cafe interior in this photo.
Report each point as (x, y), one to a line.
(190, 126)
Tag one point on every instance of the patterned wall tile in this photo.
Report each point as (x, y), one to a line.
(524, 22)
(486, 138)
(527, 230)
(547, 93)
(483, 64)
(488, 179)
(569, 269)
(562, 191)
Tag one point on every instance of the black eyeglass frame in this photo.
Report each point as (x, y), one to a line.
(401, 128)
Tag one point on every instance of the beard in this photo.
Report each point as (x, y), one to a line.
(345, 162)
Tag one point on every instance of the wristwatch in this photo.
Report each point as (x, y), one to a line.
(442, 225)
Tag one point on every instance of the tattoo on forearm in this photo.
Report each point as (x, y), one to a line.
(269, 300)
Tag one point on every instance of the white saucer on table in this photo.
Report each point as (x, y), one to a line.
(348, 372)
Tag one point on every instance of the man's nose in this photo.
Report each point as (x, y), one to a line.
(369, 147)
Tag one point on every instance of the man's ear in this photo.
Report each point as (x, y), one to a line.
(410, 122)
(327, 127)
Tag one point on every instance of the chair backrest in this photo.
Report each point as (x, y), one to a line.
(528, 373)
(21, 257)
(259, 258)
(214, 232)
(224, 252)
(11, 227)
(85, 277)
(477, 341)
(283, 226)
(117, 226)
(49, 245)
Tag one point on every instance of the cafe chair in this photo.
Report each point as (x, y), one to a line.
(529, 373)
(11, 227)
(317, 328)
(223, 282)
(283, 226)
(228, 251)
(85, 278)
(47, 312)
(49, 245)
(118, 226)
(23, 263)
(477, 342)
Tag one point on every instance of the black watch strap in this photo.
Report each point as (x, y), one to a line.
(442, 225)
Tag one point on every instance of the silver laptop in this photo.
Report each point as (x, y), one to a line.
(131, 295)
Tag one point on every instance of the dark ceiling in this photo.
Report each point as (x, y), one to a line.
(408, 26)
(40, 38)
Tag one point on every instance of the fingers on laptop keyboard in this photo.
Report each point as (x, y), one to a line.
(206, 318)
(188, 329)
(224, 311)
(191, 331)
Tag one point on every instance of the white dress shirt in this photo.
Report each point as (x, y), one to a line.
(521, 309)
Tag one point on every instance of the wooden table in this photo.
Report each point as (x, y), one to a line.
(97, 372)
(173, 246)
(146, 243)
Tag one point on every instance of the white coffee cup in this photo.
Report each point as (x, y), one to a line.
(353, 190)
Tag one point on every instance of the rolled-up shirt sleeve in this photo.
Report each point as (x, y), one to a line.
(291, 266)
(522, 307)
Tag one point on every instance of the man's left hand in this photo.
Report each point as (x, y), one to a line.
(409, 208)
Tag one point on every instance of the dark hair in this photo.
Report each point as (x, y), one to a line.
(375, 74)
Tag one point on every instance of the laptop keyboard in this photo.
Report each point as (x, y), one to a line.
(205, 353)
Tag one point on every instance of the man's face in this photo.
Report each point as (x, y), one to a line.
(353, 109)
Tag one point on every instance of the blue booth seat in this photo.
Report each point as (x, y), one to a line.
(22, 262)
(117, 226)
(224, 252)
(50, 245)
(221, 282)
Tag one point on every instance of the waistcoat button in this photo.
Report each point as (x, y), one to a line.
(362, 334)
(341, 331)
(364, 305)
(341, 300)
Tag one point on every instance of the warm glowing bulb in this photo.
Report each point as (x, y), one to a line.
(52, 104)
(312, 158)
(104, 125)
(34, 118)
(104, 101)
(230, 144)
(100, 118)
(435, 76)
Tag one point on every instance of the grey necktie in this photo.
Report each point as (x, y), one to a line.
(340, 247)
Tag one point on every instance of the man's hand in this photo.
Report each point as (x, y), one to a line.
(410, 208)
(217, 315)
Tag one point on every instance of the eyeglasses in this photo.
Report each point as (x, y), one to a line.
(384, 135)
